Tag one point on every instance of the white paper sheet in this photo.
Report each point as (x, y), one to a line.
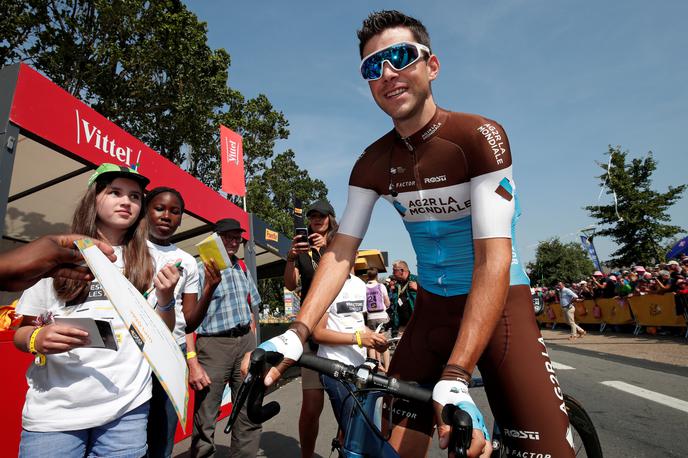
(147, 329)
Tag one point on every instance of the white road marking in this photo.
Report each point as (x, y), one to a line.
(651, 395)
(561, 367)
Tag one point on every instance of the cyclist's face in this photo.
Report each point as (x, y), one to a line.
(164, 215)
(403, 94)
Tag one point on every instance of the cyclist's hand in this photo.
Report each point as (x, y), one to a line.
(456, 392)
(288, 345)
(56, 338)
(198, 377)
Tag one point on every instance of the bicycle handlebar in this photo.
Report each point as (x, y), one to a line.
(368, 378)
(253, 391)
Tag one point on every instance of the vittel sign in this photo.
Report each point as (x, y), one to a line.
(91, 134)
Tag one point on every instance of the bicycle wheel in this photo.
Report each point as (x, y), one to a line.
(585, 440)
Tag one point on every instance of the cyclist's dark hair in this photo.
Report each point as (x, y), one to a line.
(162, 189)
(379, 21)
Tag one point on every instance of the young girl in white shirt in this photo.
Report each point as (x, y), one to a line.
(85, 401)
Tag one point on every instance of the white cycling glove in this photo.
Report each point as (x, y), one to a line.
(455, 392)
(288, 345)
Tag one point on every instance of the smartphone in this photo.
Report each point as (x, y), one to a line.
(302, 232)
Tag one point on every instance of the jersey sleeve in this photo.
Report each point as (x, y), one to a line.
(493, 199)
(363, 193)
(359, 208)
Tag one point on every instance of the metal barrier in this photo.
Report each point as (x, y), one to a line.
(666, 310)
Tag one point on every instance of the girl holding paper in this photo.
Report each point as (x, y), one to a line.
(85, 401)
(164, 209)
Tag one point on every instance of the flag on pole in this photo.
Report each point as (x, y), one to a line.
(232, 150)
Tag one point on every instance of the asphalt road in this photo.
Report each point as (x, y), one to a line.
(639, 406)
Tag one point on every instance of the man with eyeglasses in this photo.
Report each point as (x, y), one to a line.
(226, 333)
(402, 296)
(449, 177)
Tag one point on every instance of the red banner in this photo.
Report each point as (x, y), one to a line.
(232, 148)
(47, 111)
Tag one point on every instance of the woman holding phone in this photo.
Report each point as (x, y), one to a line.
(302, 262)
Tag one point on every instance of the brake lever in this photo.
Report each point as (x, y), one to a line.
(461, 429)
(253, 390)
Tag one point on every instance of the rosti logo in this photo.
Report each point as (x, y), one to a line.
(495, 140)
(102, 141)
(518, 434)
(437, 179)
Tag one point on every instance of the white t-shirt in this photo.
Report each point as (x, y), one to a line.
(346, 315)
(188, 281)
(85, 387)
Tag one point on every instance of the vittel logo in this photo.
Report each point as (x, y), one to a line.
(232, 151)
(94, 136)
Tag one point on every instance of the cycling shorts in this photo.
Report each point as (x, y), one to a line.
(521, 386)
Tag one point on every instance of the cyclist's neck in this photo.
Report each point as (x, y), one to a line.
(408, 126)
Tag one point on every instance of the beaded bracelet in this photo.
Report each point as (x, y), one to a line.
(167, 307)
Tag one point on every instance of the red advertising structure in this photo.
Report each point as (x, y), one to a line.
(50, 143)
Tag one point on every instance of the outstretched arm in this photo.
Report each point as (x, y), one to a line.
(48, 256)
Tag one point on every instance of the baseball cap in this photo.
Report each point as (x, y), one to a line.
(228, 224)
(116, 171)
(597, 273)
(673, 262)
(612, 277)
(639, 269)
(322, 206)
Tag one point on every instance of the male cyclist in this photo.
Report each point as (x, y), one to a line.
(449, 177)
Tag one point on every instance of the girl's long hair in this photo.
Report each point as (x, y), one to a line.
(138, 263)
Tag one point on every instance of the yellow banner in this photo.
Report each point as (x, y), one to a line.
(656, 310)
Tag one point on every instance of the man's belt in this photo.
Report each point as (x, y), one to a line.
(236, 331)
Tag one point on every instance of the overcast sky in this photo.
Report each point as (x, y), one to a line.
(565, 79)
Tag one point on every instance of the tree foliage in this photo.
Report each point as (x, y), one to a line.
(147, 67)
(556, 261)
(640, 229)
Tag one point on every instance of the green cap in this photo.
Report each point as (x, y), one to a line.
(114, 171)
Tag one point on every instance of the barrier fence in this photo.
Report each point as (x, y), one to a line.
(666, 310)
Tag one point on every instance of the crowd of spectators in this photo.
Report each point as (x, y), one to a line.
(668, 277)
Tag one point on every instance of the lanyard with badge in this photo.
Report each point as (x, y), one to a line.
(400, 291)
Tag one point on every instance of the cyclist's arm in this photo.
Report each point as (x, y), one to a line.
(485, 302)
(330, 276)
(337, 261)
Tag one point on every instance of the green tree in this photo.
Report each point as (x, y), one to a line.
(556, 261)
(147, 66)
(637, 223)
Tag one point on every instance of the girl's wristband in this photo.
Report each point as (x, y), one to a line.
(167, 307)
(358, 339)
(190, 354)
(40, 357)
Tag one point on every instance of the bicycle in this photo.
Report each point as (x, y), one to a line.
(363, 435)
